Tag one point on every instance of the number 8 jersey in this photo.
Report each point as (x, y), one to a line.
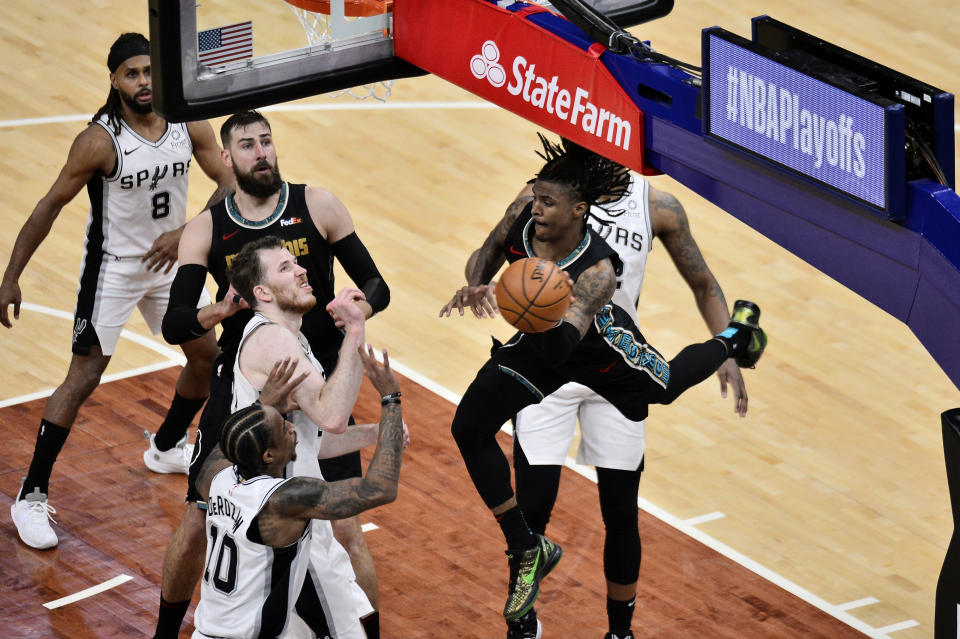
(248, 588)
(146, 194)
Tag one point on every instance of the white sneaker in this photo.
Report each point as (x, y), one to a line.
(175, 460)
(31, 516)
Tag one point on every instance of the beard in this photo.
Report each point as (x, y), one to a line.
(294, 305)
(259, 186)
(137, 107)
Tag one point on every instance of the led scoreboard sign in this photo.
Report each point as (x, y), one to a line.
(756, 100)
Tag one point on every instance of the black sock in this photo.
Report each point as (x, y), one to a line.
(50, 439)
(174, 427)
(170, 618)
(620, 615)
(371, 625)
(515, 530)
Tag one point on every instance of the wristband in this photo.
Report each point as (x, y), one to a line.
(389, 400)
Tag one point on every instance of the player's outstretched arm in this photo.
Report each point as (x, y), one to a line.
(484, 263)
(92, 151)
(670, 224)
(305, 498)
(162, 254)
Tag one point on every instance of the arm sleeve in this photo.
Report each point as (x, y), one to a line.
(180, 323)
(358, 264)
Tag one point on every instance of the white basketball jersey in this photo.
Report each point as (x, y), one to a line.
(247, 588)
(308, 435)
(629, 233)
(146, 194)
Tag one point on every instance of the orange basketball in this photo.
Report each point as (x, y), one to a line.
(533, 294)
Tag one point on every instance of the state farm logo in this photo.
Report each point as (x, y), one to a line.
(546, 92)
(484, 65)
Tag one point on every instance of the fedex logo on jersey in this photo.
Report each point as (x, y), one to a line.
(513, 58)
(572, 105)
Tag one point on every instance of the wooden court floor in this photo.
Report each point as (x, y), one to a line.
(438, 552)
(834, 483)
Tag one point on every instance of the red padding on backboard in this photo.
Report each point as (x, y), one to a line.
(515, 64)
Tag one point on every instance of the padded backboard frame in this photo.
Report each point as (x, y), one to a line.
(185, 90)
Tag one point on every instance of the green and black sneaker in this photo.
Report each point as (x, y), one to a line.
(527, 568)
(746, 317)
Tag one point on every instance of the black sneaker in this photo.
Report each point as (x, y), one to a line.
(617, 635)
(527, 568)
(746, 317)
(526, 627)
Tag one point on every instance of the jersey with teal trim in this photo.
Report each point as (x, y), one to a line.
(627, 228)
(248, 588)
(291, 222)
(144, 196)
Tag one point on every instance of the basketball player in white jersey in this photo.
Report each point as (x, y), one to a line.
(134, 165)
(544, 432)
(258, 524)
(267, 276)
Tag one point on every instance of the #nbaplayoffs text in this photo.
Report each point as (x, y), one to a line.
(776, 113)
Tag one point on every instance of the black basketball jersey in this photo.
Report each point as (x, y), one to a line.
(592, 249)
(292, 223)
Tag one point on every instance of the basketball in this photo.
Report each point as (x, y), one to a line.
(533, 294)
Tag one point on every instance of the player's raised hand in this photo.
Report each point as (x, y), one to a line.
(344, 308)
(479, 299)
(380, 375)
(163, 253)
(9, 294)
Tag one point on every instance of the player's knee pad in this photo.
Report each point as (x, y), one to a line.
(621, 554)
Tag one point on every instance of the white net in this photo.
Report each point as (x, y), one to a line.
(317, 27)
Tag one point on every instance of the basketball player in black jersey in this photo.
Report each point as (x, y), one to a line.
(316, 228)
(596, 344)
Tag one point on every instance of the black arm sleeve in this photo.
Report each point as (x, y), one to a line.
(358, 264)
(180, 323)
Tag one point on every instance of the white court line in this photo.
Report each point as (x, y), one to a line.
(903, 625)
(859, 603)
(369, 527)
(682, 526)
(345, 106)
(693, 521)
(174, 357)
(89, 592)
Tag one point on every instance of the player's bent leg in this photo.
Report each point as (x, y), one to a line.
(622, 548)
(537, 488)
(350, 535)
(31, 512)
(168, 450)
(182, 568)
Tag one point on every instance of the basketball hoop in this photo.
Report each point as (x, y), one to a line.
(315, 18)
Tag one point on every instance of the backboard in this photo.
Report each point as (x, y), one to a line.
(216, 57)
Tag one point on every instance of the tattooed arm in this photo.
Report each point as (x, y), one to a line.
(484, 263)
(670, 224)
(593, 289)
(282, 519)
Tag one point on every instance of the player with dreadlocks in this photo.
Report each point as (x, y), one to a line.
(596, 343)
(135, 167)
